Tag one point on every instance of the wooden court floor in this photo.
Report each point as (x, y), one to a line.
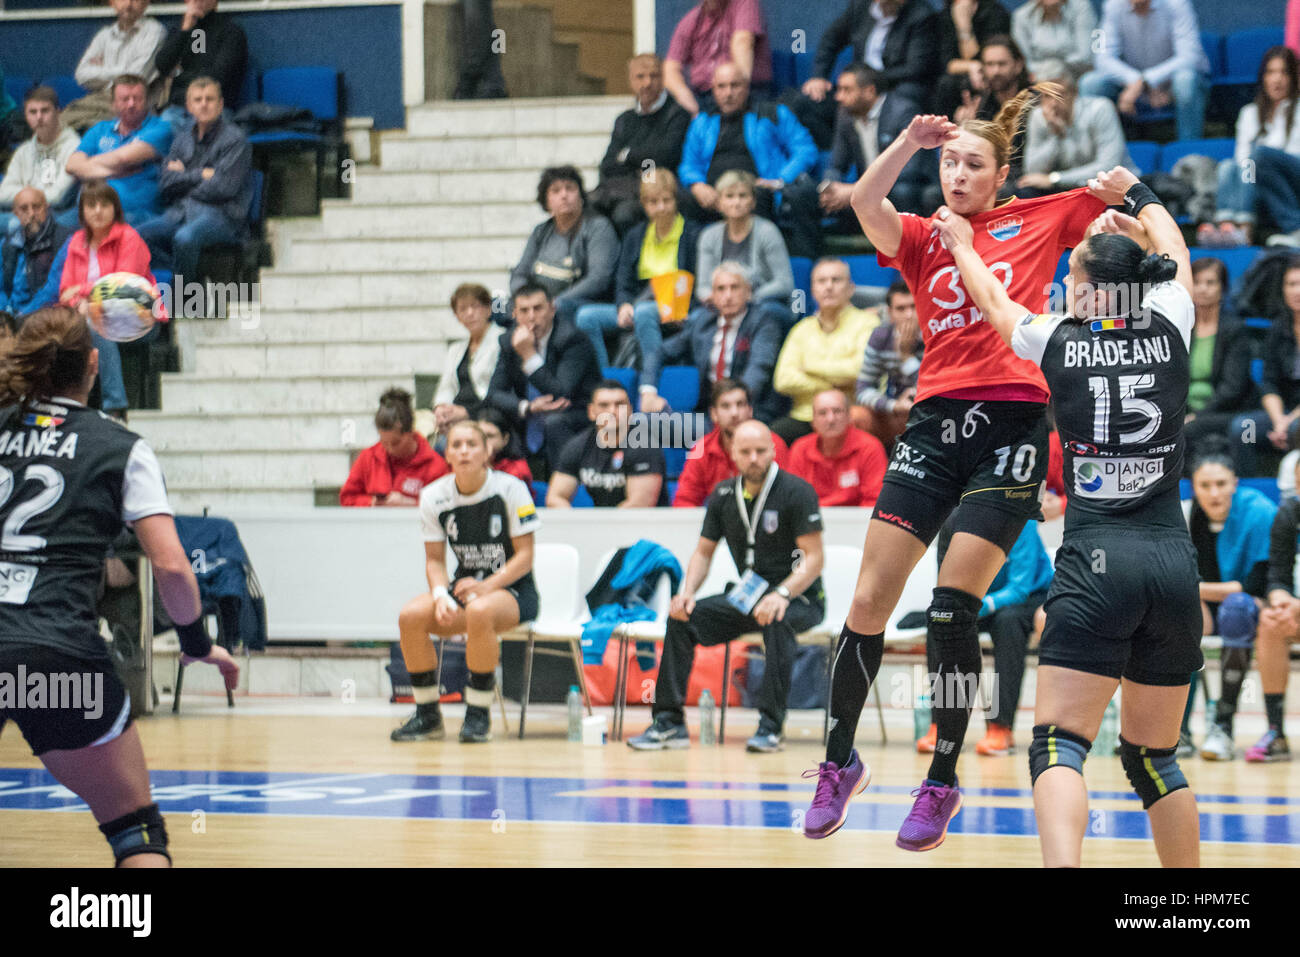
(259, 787)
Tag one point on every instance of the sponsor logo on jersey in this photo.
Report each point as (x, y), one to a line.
(1008, 227)
(770, 520)
(1082, 448)
(43, 421)
(494, 526)
(16, 582)
(1105, 325)
(1125, 477)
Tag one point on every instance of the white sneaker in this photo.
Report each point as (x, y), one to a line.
(1218, 745)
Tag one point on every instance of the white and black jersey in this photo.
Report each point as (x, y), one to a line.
(69, 478)
(479, 527)
(1119, 391)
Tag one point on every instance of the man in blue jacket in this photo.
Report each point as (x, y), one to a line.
(765, 140)
(1008, 616)
(28, 277)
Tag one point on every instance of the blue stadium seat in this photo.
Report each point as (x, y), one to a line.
(66, 87)
(867, 272)
(1062, 268)
(801, 266)
(1258, 324)
(625, 376)
(1212, 43)
(17, 87)
(1242, 52)
(672, 491)
(582, 498)
(674, 462)
(1237, 260)
(1145, 155)
(679, 386)
(1257, 371)
(539, 493)
(313, 88)
(1216, 149)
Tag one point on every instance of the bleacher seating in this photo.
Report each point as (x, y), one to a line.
(1145, 155)
(17, 87)
(238, 262)
(1242, 51)
(1217, 149)
(1236, 260)
(315, 89)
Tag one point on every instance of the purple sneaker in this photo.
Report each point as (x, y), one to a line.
(835, 786)
(927, 825)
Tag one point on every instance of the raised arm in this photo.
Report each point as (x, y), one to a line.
(875, 212)
(1112, 187)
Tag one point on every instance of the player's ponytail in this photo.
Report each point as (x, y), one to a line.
(48, 357)
(1155, 269)
(1002, 130)
(395, 413)
(1116, 262)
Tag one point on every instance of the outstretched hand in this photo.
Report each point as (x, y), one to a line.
(227, 665)
(930, 132)
(1110, 185)
(954, 229)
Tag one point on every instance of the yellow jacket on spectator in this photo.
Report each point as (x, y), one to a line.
(813, 360)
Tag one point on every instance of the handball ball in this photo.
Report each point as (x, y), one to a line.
(121, 306)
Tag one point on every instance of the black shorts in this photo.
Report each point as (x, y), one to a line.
(82, 702)
(524, 592)
(1125, 604)
(988, 460)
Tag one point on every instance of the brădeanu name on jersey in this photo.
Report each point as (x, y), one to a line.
(1116, 352)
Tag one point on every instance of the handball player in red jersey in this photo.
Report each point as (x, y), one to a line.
(976, 442)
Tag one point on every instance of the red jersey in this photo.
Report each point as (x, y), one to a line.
(374, 474)
(852, 478)
(1021, 241)
(707, 465)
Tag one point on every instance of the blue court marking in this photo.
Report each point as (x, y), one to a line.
(579, 801)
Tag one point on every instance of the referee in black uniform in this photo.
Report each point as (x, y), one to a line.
(773, 526)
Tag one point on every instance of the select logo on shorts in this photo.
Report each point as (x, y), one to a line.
(1008, 227)
(1116, 478)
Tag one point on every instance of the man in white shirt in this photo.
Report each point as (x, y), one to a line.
(125, 46)
(1066, 142)
(39, 162)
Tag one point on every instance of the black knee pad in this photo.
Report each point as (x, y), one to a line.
(1153, 772)
(140, 832)
(1054, 747)
(953, 615)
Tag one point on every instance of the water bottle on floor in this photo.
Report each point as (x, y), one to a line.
(707, 734)
(574, 701)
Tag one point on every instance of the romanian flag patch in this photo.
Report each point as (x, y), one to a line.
(1103, 325)
(42, 421)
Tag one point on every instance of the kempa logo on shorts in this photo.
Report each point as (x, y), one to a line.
(77, 910)
(63, 691)
(1116, 478)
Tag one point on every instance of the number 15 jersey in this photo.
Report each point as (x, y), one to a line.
(1021, 241)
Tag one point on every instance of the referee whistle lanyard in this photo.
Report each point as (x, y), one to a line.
(758, 509)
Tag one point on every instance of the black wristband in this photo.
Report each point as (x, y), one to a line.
(194, 639)
(1138, 197)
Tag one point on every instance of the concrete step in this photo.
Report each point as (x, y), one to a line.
(243, 358)
(431, 323)
(399, 187)
(354, 220)
(214, 395)
(516, 117)
(392, 253)
(245, 468)
(268, 432)
(192, 500)
(301, 289)
(405, 152)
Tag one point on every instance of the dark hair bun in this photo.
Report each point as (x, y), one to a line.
(1157, 269)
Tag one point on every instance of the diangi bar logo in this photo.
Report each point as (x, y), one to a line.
(1008, 227)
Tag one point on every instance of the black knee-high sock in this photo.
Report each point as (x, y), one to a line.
(953, 628)
(1274, 707)
(857, 660)
(1234, 667)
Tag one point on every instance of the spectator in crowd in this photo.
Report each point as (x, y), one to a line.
(467, 369)
(711, 34)
(208, 43)
(1068, 140)
(664, 244)
(1056, 37)
(506, 453)
(104, 244)
(891, 361)
(895, 38)
(573, 254)
(1018, 590)
(647, 138)
(545, 374)
(1151, 52)
(765, 141)
(1221, 387)
(1279, 626)
(615, 474)
(206, 182)
(127, 45)
(823, 351)
(28, 281)
(1230, 527)
(126, 151)
(844, 465)
(732, 340)
(776, 595)
(1269, 121)
(1275, 132)
(480, 71)
(965, 28)
(863, 130)
(752, 241)
(1278, 422)
(393, 470)
(42, 160)
(710, 460)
